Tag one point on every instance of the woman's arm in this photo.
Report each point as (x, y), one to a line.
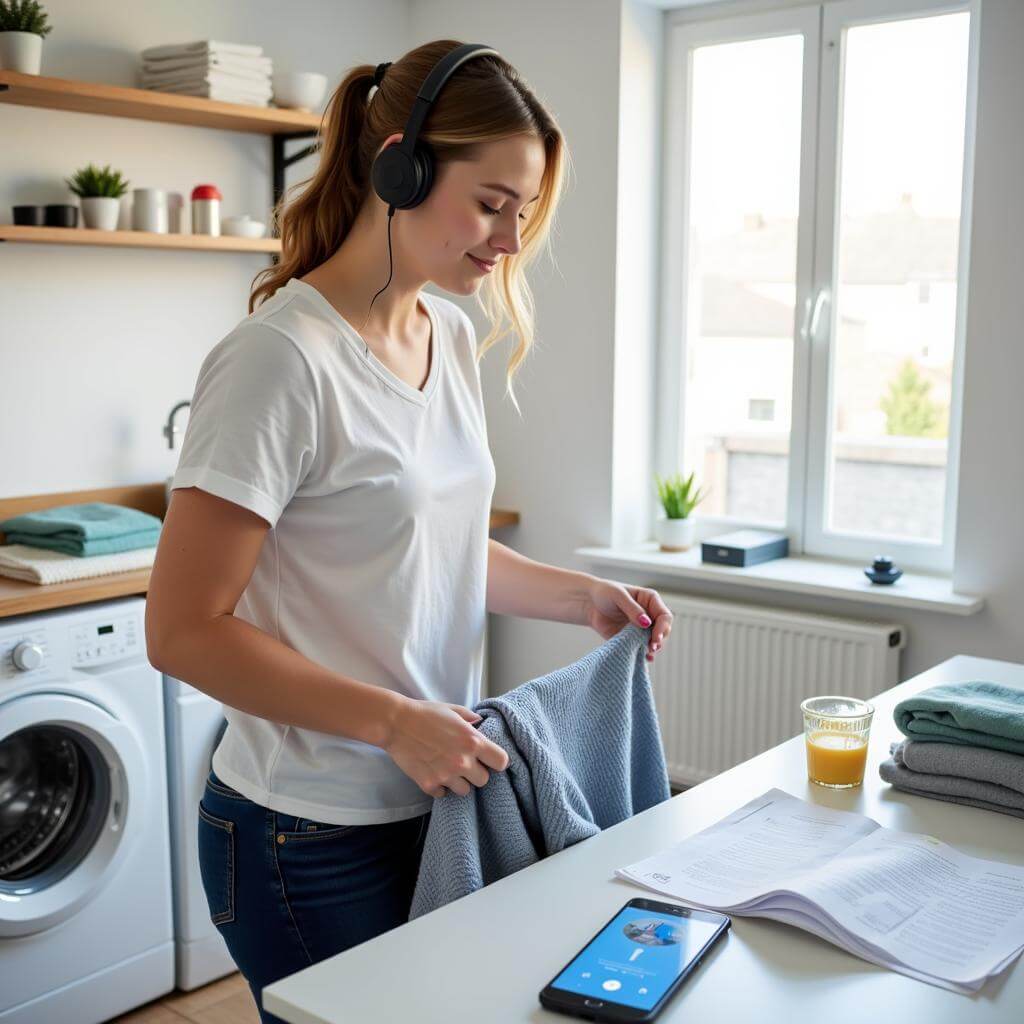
(517, 585)
(206, 556)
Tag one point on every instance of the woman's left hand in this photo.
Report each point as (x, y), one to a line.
(610, 606)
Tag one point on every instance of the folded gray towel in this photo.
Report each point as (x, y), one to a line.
(981, 763)
(584, 752)
(976, 776)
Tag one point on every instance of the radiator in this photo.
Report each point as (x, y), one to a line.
(729, 681)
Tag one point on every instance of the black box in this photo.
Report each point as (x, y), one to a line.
(744, 547)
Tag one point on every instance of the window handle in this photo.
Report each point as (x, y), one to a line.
(812, 314)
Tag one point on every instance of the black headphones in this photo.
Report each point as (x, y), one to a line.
(402, 174)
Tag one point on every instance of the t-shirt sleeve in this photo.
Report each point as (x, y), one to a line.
(470, 333)
(252, 430)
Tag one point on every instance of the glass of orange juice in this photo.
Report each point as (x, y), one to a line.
(836, 733)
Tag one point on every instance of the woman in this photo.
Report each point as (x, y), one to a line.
(324, 568)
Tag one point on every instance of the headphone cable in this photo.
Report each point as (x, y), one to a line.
(391, 270)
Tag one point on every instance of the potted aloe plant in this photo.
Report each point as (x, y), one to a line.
(674, 529)
(23, 23)
(100, 192)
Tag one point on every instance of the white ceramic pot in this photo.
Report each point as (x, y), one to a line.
(674, 534)
(298, 90)
(21, 51)
(101, 212)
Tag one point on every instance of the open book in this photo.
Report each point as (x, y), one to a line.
(897, 899)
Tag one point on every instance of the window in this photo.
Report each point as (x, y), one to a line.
(818, 166)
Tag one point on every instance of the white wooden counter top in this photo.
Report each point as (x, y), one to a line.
(484, 958)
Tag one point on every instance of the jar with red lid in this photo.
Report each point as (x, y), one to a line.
(206, 210)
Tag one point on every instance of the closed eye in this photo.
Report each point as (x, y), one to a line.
(494, 213)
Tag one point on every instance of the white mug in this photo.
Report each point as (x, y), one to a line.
(149, 210)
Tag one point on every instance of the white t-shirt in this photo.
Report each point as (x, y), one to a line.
(375, 566)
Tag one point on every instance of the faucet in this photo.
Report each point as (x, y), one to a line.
(169, 428)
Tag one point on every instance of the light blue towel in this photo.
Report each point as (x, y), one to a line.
(980, 714)
(90, 528)
(585, 753)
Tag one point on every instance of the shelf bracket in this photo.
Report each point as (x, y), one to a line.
(281, 162)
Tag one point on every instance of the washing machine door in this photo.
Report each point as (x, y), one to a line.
(68, 769)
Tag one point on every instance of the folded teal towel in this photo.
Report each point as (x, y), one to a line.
(979, 714)
(91, 528)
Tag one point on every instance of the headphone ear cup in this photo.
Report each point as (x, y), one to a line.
(394, 177)
(424, 174)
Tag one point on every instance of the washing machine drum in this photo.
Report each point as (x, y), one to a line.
(54, 798)
(71, 775)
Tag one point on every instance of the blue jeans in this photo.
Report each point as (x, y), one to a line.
(287, 892)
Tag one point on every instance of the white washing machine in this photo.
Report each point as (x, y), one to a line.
(85, 888)
(194, 727)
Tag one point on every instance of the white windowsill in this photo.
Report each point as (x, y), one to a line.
(820, 577)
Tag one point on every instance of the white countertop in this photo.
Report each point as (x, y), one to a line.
(485, 957)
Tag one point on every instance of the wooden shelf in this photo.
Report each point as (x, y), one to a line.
(135, 239)
(147, 105)
(503, 517)
(18, 597)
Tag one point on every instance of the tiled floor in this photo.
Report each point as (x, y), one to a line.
(227, 1001)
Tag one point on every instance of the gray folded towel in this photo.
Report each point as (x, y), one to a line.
(585, 753)
(976, 776)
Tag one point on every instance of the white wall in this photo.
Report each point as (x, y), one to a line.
(97, 344)
(100, 343)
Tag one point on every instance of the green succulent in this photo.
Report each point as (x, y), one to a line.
(91, 181)
(678, 495)
(23, 16)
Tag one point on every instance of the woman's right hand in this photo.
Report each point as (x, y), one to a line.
(435, 744)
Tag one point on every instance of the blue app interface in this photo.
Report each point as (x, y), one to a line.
(636, 957)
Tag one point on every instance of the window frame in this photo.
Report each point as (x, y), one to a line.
(917, 554)
(820, 24)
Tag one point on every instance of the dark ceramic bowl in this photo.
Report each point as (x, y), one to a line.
(61, 215)
(34, 215)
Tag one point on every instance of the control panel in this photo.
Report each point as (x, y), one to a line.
(103, 640)
(40, 648)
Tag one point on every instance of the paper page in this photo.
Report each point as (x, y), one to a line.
(897, 899)
(801, 919)
(751, 852)
(795, 911)
(924, 903)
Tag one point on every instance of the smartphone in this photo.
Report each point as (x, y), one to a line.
(629, 970)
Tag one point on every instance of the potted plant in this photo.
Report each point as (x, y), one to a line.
(674, 529)
(100, 192)
(22, 27)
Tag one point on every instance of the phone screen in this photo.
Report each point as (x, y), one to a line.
(635, 958)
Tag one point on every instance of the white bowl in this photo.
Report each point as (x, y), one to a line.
(298, 90)
(242, 227)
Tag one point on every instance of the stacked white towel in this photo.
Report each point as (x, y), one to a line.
(232, 72)
(38, 565)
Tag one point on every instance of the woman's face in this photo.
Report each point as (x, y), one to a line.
(466, 215)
